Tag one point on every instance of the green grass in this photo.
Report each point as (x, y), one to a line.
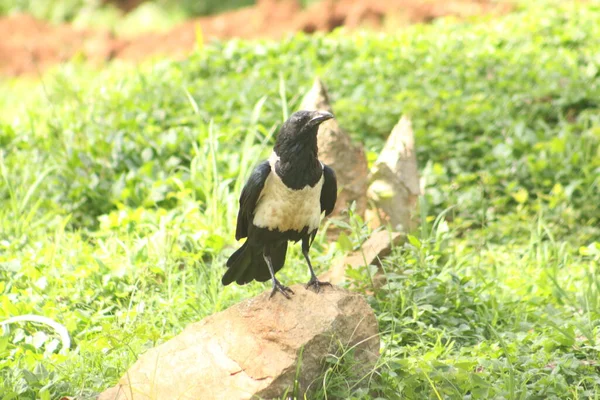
(118, 193)
(103, 13)
(149, 16)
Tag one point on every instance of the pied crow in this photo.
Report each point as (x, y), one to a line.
(282, 201)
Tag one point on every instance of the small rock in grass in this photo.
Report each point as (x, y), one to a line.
(377, 247)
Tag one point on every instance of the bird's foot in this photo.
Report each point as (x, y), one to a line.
(284, 290)
(316, 284)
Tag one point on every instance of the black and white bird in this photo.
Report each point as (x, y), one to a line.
(282, 201)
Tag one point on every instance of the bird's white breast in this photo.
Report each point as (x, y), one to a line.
(282, 208)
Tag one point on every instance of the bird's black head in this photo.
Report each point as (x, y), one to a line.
(299, 132)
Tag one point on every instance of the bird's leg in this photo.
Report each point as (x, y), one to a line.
(314, 282)
(277, 286)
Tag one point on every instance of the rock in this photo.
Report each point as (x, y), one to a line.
(377, 247)
(394, 181)
(337, 150)
(252, 349)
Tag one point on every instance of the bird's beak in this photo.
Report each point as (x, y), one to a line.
(319, 117)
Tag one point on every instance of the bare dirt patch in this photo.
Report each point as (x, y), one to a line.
(32, 45)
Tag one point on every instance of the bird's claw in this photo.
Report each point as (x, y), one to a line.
(278, 287)
(316, 284)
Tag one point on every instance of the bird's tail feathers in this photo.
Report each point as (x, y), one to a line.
(237, 264)
(247, 264)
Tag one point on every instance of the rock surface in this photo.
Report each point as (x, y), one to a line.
(394, 181)
(337, 150)
(252, 349)
(378, 246)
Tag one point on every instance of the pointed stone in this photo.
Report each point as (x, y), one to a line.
(394, 181)
(336, 149)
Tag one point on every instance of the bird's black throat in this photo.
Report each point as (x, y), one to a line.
(298, 164)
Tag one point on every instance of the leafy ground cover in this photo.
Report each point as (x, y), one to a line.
(118, 196)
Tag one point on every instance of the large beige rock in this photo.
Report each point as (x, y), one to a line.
(252, 349)
(394, 181)
(337, 150)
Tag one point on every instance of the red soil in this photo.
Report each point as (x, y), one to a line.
(31, 45)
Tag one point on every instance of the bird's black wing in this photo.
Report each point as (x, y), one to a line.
(249, 197)
(329, 190)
